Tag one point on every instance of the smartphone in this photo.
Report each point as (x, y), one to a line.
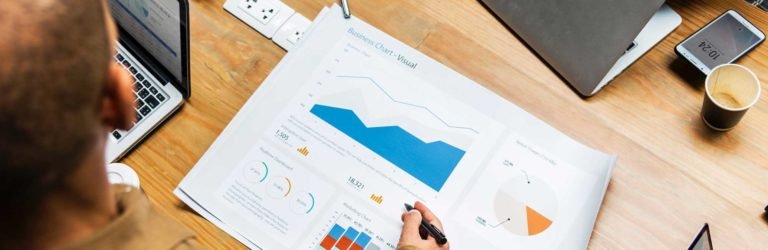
(721, 41)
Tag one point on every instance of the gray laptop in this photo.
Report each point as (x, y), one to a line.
(584, 40)
(154, 48)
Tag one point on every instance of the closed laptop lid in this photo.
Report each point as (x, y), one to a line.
(581, 39)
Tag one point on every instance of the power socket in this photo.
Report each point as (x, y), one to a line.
(291, 32)
(265, 16)
(247, 4)
(263, 12)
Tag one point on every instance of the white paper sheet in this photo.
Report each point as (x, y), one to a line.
(353, 123)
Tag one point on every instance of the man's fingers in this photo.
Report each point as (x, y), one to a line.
(428, 215)
(411, 223)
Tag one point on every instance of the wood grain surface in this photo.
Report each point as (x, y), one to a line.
(673, 173)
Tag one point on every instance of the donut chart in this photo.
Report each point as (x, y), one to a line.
(256, 172)
(279, 187)
(303, 202)
(525, 206)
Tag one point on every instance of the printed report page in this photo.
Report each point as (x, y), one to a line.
(353, 124)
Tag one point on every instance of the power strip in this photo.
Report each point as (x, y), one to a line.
(272, 18)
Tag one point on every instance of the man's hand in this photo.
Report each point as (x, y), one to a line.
(411, 237)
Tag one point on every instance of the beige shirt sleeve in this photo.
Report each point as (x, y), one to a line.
(139, 226)
(189, 244)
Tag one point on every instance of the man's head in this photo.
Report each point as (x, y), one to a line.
(59, 94)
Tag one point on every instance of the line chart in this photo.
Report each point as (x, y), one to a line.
(378, 86)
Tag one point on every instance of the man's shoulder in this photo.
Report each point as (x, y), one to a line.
(139, 226)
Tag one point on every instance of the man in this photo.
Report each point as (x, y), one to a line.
(60, 95)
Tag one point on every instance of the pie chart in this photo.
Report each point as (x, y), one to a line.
(525, 206)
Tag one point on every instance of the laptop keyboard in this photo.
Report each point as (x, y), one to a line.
(148, 95)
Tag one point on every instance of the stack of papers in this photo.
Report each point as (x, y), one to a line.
(352, 123)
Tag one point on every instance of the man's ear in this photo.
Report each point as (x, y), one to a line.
(117, 109)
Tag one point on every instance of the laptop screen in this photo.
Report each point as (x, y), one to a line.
(155, 25)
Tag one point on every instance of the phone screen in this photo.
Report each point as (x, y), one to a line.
(721, 42)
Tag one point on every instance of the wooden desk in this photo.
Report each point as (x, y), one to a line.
(673, 174)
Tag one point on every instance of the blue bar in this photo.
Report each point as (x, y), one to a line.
(363, 239)
(336, 232)
(351, 233)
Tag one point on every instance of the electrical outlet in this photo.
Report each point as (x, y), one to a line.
(292, 31)
(265, 16)
(294, 37)
(266, 12)
(247, 4)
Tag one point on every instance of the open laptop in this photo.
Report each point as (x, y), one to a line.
(154, 48)
(589, 42)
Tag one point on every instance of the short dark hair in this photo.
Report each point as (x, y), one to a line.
(54, 59)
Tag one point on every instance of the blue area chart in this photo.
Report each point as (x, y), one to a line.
(430, 163)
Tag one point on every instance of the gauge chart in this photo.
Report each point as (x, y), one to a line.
(275, 193)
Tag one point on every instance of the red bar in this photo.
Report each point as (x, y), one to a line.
(344, 243)
(328, 242)
(356, 247)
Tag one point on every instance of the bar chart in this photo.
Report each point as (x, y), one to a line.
(347, 238)
(354, 228)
